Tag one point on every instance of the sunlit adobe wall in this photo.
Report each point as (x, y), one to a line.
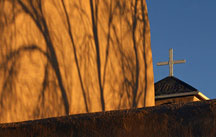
(68, 57)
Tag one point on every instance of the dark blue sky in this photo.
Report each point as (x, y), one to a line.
(189, 27)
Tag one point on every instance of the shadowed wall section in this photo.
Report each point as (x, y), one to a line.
(197, 119)
(64, 57)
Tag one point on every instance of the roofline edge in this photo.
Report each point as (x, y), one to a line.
(182, 94)
(202, 95)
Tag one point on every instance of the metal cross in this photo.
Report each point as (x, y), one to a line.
(171, 62)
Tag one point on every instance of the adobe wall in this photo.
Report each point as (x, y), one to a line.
(68, 57)
(185, 99)
(195, 119)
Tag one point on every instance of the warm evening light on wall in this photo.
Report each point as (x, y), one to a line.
(64, 57)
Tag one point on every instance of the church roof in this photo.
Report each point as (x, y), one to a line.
(172, 85)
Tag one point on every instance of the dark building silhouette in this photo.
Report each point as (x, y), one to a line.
(172, 90)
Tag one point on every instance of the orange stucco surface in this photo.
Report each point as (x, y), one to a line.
(176, 100)
(69, 57)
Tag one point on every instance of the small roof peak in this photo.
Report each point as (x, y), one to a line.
(172, 85)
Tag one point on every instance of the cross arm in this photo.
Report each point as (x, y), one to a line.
(179, 61)
(162, 63)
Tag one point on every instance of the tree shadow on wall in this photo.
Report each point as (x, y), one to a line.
(129, 63)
